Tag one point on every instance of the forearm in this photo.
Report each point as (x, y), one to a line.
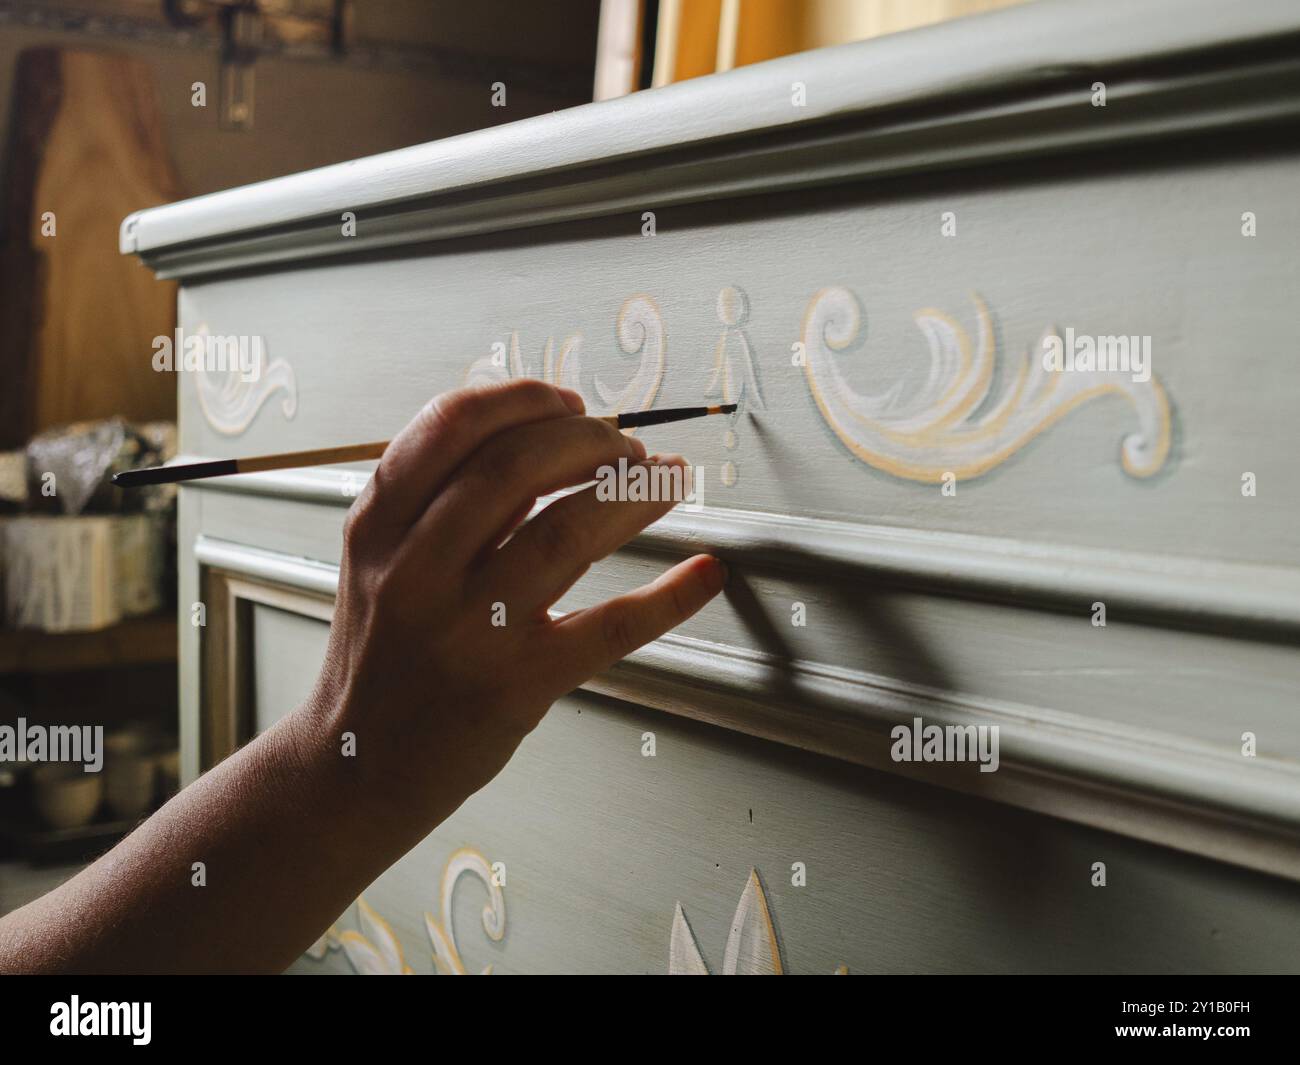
(286, 840)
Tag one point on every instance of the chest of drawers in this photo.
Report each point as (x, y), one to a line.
(869, 248)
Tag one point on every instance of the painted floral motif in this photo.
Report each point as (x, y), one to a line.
(230, 403)
(328, 941)
(951, 424)
(752, 948)
(640, 332)
(446, 955)
(964, 417)
(374, 949)
(734, 379)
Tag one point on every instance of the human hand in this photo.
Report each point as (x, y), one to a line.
(437, 696)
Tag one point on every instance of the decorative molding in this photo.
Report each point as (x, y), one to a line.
(315, 578)
(1137, 782)
(228, 598)
(1249, 599)
(967, 92)
(948, 427)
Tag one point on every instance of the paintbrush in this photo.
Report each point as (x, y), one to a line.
(325, 456)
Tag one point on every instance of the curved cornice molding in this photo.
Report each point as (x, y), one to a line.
(1004, 85)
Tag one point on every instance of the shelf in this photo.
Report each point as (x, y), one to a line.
(137, 641)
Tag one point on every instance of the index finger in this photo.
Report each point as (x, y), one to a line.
(448, 429)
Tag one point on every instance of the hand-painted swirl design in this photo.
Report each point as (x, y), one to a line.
(230, 403)
(951, 424)
(446, 954)
(640, 331)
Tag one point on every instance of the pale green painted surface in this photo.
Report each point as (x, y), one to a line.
(600, 843)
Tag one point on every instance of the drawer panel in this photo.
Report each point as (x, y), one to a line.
(354, 348)
(598, 844)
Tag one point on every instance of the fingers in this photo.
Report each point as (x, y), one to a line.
(553, 550)
(512, 468)
(450, 428)
(516, 519)
(587, 642)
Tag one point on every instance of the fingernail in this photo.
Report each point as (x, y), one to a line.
(720, 575)
(636, 446)
(572, 400)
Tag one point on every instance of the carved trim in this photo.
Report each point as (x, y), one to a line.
(1138, 782)
(225, 720)
(1250, 599)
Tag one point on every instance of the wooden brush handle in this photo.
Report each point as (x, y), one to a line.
(324, 456)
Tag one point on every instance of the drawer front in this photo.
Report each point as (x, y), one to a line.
(813, 311)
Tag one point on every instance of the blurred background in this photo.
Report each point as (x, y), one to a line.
(115, 105)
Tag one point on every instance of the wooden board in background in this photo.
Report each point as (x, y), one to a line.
(78, 320)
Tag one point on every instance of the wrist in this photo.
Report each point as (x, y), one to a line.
(345, 765)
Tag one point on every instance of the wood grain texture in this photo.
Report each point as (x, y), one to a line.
(23, 269)
(86, 147)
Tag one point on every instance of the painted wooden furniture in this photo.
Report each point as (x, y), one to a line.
(868, 248)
